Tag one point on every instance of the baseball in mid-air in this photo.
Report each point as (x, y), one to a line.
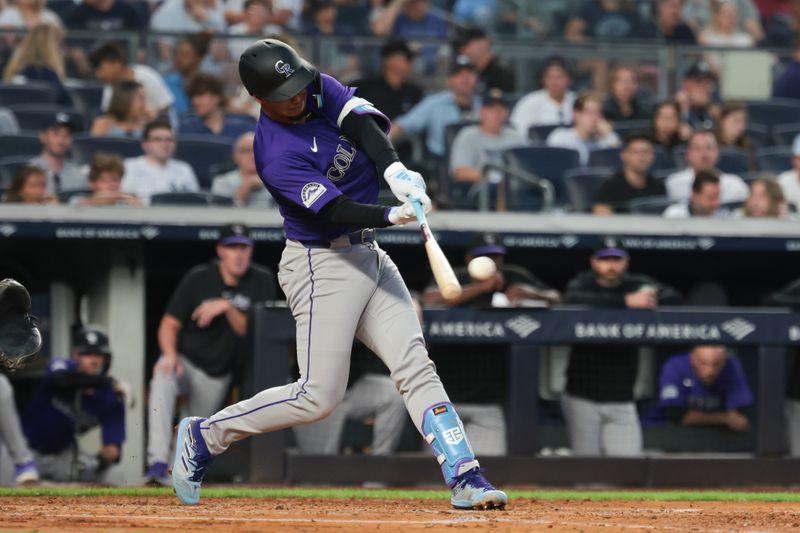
(482, 268)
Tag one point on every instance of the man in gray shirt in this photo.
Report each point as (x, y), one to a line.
(243, 184)
(62, 174)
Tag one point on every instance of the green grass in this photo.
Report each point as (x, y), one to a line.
(401, 494)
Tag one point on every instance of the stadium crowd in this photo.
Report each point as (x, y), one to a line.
(86, 119)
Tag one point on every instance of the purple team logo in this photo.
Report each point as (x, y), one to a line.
(342, 159)
(284, 68)
(311, 193)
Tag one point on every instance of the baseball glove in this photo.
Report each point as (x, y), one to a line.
(20, 339)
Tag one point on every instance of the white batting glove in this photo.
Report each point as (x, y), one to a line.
(403, 182)
(402, 214)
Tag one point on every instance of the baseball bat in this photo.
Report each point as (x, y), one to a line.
(442, 271)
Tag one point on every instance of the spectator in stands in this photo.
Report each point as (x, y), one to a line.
(287, 14)
(472, 146)
(431, 116)
(188, 55)
(632, 181)
(105, 16)
(705, 387)
(189, 16)
(210, 118)
(696, 96)
(790, 179)
(411, 19)
(598, 402)
(492, 73)
(765, 200)
(623, 101)
(39, 59)
(75, 395)
(61, 171)
(243, 183)
(699, 14)
(479, 395)
(27, 14)
(589, 130)
(731, 130)
(704, 200)
(391, 91)
(29, 186)
(671, 25)
(257, 14)
(666, 128)
(12, 438)
(551, 105)
(105, 183)
(721, 30)
(156, 171)
(199, 337)
(110, 64)
(702, 154)
(345, 63)
(607, 20)
(787, 83)
(127, 112)
(8, 122)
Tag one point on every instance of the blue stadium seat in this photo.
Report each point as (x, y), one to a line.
(774, 160)
(191, 198)
(785, 134)
(663, 173)
(201, 152)
(88, 97)
(759, 134)
(9, 167)
(663, 159)
(540, 133)
(581, 185)
(650, 205)
(772, 113)
(85, 146)
(626, 127)
(605, 157)
(733, 161)
(18, 145)
(29, 93)
(33, 117)
(546, 162)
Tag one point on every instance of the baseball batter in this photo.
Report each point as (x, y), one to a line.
(319, 151)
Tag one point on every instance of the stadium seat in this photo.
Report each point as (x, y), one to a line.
(605, 157)
(201, 152)
(65, 197)
(26, 94)
(85, 146)
(774, 160)
(33, 117)
(540, 133)
(663, 159)
(545, 162)
(785, 134)
(772, 113)
(650, 205)
(759, 134)
(61, 7)
(18, 145)
(191, 198)
(9, 167)
(663, 173)
(626, 127)
(582, 183)
(733, 161)
(88, 97)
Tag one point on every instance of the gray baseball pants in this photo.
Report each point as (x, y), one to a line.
(336, 294)
(792, 413)
(602, 428)
(204, 395)
(10, 427)
(485, 425)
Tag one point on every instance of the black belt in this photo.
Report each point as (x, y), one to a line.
(362, 236)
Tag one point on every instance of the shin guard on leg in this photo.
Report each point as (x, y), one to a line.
(443, 430)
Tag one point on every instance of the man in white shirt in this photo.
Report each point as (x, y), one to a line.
(589, 131)
(704, 201)
(110, 65)
(257, 15)
(243, 183)
(702, 153)
(189, 16)
(790, 179)
(156, 172)
(551, 105)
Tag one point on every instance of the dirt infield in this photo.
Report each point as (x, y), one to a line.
(162, 513)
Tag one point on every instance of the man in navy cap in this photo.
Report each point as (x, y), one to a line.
(62, 173)
(199, 336)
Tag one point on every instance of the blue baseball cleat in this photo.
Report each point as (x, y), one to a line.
(192, 459)
(472, 491)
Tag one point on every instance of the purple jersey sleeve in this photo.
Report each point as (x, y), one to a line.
(112, 419)
(737, 391)
(671, 391)
(300, 183)
(339, 100)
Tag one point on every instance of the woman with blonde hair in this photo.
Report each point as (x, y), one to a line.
(27, 14)
(39, 59)
(127, 112)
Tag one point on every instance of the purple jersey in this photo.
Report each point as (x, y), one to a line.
(54, 417)
(680, 387)
(305, 166)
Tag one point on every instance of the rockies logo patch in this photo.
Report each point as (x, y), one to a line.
(311, 193)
